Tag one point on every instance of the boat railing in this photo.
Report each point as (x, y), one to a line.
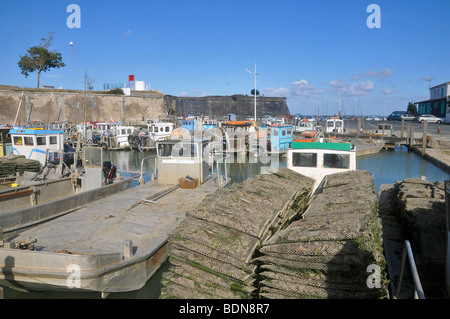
(221, 173)
(141, 178)
(418, 290)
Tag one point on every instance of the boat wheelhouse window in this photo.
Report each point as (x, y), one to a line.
(17, 140)
(275, 132)
(330, 124)
(165, 150)
(167, 128)
(150, 129)
(289, 132)
(283, 132)
(28, 140)
(53, 140)
(41, 140)
(304, 159)
(178, 150)
(336, 161)
(184, 150)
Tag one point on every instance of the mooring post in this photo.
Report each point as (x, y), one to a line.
(403, 127)
(408, 135)
(128, 249)
(411, 141)
(424, 138)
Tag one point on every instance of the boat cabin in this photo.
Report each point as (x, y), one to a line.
(304, 125)
(159, 130)
(121, 134)
(189, 124)
(316, 160)
(5, 141)
(207, 124)
(237, 135)
(181, 158)
(106, 126)
(384, 129)
(34, 143)
(280, 137)
(335, 125)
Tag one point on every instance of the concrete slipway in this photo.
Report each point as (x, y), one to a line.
(114, 244)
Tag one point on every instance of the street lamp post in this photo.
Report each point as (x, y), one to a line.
(255, 74)
(73, 85)
(339, 100)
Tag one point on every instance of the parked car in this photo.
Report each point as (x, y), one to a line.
(430, 118)
(408, 117)
(395, 116)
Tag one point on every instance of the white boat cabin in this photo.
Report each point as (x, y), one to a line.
(180, 158)
(121, 134)
(305, 125)
(335, 125)
(159, 130)
(316, 160)
(34, 143)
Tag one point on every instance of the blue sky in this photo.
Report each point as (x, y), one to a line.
(303, 50)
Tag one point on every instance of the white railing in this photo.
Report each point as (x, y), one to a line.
(218, 171)
(418, 290)
(141, 178)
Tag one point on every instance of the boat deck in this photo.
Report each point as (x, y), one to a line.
(103, 226)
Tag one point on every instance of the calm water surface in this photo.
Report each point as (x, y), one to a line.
(386, 167)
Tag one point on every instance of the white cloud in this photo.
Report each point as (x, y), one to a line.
(194, 93)
(383, 74)
(353, 89)
(298, 88)
(386, 91)
(303, 88)
(276, 92)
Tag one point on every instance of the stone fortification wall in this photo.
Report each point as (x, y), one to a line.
(77, 107)
(60, 106)
(218, 106)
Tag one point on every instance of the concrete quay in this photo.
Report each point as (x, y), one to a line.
(437, 150)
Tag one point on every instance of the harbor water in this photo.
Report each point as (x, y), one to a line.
(387, 167)
(390, 166)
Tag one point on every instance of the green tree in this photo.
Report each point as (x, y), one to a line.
(40, 59)
(412, 108)
(252, 92)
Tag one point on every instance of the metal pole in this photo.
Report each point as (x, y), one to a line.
(255, 86)
(424, 138)
(73, 81)
(18, 110)
(255, 93)
(407, 253)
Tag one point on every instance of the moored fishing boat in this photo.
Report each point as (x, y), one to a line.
(317, 160)
(113, 244)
